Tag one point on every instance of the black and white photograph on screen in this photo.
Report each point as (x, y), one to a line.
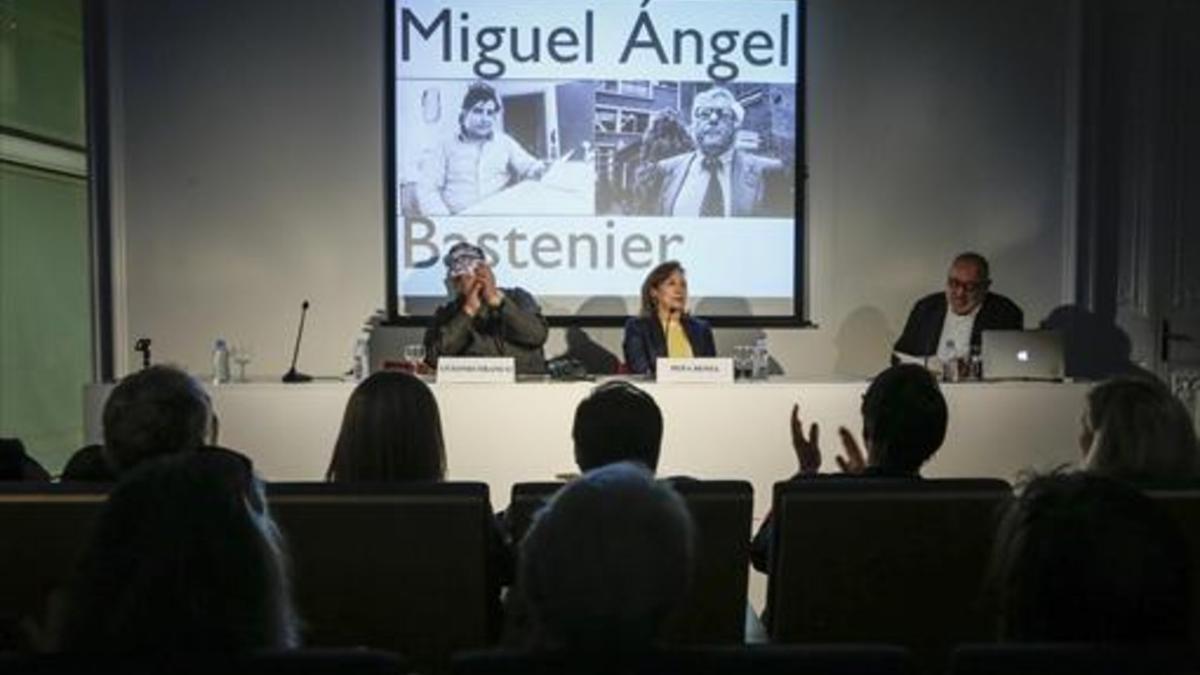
(485, 148)
(695, 149)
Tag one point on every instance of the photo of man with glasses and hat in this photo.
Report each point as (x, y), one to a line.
(483, 319)
(717, 179)
(479, 160)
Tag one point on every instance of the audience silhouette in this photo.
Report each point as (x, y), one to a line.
(617, 422)
(904, 418)
(391, 431)
(185, 558)
(1086, 558)
(606, 562)
(1135, 429)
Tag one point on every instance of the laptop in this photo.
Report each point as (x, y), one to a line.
(1022, 355)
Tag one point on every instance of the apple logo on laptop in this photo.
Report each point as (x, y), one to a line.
(1023, 355)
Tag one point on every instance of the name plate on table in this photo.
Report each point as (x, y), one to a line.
(708, 370)
(477, 369)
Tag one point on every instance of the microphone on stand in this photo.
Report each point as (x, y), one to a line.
(292, 375)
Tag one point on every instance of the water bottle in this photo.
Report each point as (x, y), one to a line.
(762, 358)
(975, 368)
(220, 362)
(362, 359)
(950, 363)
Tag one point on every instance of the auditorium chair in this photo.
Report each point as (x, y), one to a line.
(726, 660)
(883, 561)
(714, 611)
(297, 662)
(1183, 504)
(400, 567)
(1073, 659)
(44, 527)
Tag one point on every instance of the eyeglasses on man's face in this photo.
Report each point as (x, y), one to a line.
(968, 286)
(709, 112)
(485, 110)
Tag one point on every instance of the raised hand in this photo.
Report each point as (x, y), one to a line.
(853, 461)
(487, 285)
(470, 289)
(808, 450)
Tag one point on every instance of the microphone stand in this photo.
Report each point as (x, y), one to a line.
(292, 375)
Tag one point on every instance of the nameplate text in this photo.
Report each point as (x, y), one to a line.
(476, 369)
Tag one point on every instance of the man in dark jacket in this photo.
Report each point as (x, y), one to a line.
(484, 320)
(949, 324)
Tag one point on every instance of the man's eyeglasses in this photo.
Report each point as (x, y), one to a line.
(709, 113)
(968, 286)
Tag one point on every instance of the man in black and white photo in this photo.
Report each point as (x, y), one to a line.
(717, 179)
(478, 161)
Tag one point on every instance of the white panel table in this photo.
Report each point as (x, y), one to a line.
(502, 434)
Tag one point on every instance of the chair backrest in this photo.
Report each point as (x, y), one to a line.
(728, 660)
(714, 611)
(402, 567)
(44, 528)
(292, 662)
(878, 560)
(1073, 659)
(1184, 505)
(526, 500)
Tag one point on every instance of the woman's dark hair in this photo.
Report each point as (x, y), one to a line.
(1141, 431)
(391, 431)
(1085, 558)
(184, 559)
(656, 276)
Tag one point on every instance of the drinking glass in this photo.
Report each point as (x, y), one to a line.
(414, 356)
(743, 362)
(241, 353)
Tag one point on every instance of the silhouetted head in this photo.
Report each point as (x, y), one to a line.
(88, 465)
(184, 559)
(904, 419)
(156, 411)
(607, 561)
(391, 431)
(1084, 558)
(1135, 429)
(15, 465)
(617, 422)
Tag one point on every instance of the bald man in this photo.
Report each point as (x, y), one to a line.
(949, 324)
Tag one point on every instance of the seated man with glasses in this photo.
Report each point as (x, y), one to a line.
(948, 325)
(476, 162)
(716, 179)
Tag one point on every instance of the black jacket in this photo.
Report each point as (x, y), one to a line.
(644, 341)
(515, 329)
(924, 325)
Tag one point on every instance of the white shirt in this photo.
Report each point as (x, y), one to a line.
(695, 184)
(955, 341)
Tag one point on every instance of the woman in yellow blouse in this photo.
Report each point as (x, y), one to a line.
(664, 327)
